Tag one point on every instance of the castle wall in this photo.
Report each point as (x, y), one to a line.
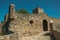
(18, 36)
(22, 23)
(56, 28)
(14, 36)
(29, 26)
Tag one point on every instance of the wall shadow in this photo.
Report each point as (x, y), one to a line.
(5, 27)
(56, 35)
(52, 37)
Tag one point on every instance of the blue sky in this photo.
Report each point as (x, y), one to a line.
(51, 7)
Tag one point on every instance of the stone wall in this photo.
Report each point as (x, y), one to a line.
(18, 36)
(29, 25)
(56, 28)
(22, 22)
(13, 36)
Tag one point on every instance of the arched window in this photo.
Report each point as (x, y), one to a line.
(45, 25)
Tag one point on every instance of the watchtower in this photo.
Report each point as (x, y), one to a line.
(38, 10)
(11, 11)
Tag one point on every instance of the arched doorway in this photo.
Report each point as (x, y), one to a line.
(45, 25)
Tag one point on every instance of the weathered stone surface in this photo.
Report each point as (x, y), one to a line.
(29, 26)
(16, 36)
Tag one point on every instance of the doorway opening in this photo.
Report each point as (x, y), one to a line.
(45, 25)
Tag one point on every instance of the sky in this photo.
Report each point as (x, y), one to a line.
(50, 7)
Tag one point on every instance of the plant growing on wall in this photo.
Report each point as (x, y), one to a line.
(22, 11)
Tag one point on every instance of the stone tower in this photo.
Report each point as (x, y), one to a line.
(37, 10)
(11, 11)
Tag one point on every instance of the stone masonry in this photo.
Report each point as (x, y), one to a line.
(35, 26)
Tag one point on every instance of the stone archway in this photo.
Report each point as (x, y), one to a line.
(45, 25)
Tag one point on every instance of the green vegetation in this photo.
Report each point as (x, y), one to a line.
(24, 11)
